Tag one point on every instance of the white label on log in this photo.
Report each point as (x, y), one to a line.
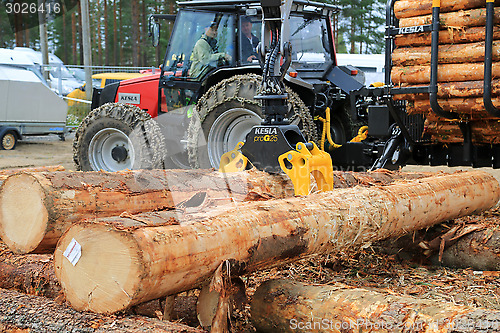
(73, 252)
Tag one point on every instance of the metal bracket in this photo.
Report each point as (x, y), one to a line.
(307, 160)
(233, 160)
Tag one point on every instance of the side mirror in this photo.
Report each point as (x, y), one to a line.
(154, 31)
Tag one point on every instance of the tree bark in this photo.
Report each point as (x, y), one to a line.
(30, 274)
(421, 74)
(39, 314)
(449, 36)
(448, 90)
(447, 54)
(48, 203)
(409, 8)
(454, 20)
(479, 250)
(288, 306)
(122, 262)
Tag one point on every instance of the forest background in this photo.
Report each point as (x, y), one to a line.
(120, 38)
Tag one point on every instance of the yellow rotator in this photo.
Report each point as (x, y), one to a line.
(233, 160)
(300, 164)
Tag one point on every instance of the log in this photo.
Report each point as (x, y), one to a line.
(483, 132)
(48, 203)
(467, 108)
(461, 19)
(420, 74)
(288, 306)
(448, 90)
(449, 36)
(448, 54)
(118, 262)
(410, 8)
(39, 314)
(479, 250)
(30, 274)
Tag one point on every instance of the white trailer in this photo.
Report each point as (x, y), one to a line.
(28, 106)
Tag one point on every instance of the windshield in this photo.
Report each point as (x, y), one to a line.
(310, 42)
(201, 42)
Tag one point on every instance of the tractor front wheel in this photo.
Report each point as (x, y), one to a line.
(117, 136)
(226, 113)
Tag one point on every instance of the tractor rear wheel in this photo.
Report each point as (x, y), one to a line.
(117, 136)
(226, 113)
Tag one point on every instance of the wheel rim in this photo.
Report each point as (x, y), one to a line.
(228, 129)
(8, 141)
(111, 150)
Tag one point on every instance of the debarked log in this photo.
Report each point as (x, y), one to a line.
(448, 54)
(483, 132)
(409, 8)
(449, 36)
(112, 264)
(420, 74)
(35, 209)
(448, 90)
(467, 108)
(289, 306)
(460, 19)
(39, 314)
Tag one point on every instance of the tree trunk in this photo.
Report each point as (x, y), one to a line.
(135, 32)
(118, 262)
(453, 20)
(106, 34)
(421, 74)
(449, 36)
(48, 203)
(288, 306)
(448, 54)
(73, 37)
(409, 8)
(448, 90)
(39, 314)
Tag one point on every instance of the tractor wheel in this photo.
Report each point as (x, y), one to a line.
(117, 136)
(226, 113)
(8, 140)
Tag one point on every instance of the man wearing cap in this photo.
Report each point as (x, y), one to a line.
(205, 55)
(249, 41)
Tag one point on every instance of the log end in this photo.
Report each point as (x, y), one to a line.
(99, 268)
(23, 215)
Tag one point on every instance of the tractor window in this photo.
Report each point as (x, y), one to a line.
(249, 38)
(310, 42)
(200, 42)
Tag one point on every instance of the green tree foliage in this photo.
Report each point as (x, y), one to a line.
(359, 25)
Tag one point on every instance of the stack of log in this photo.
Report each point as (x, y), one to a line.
(460, 69)
(130, 237)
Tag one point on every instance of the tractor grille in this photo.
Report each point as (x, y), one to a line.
(414, 123)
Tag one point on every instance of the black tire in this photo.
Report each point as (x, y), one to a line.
(234, 98)
(8, 141)
(118, 136)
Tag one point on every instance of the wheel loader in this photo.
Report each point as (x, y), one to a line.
(283, 94)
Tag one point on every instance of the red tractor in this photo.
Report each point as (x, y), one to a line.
(203, 108)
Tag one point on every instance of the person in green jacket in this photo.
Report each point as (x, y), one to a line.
(205, 55)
